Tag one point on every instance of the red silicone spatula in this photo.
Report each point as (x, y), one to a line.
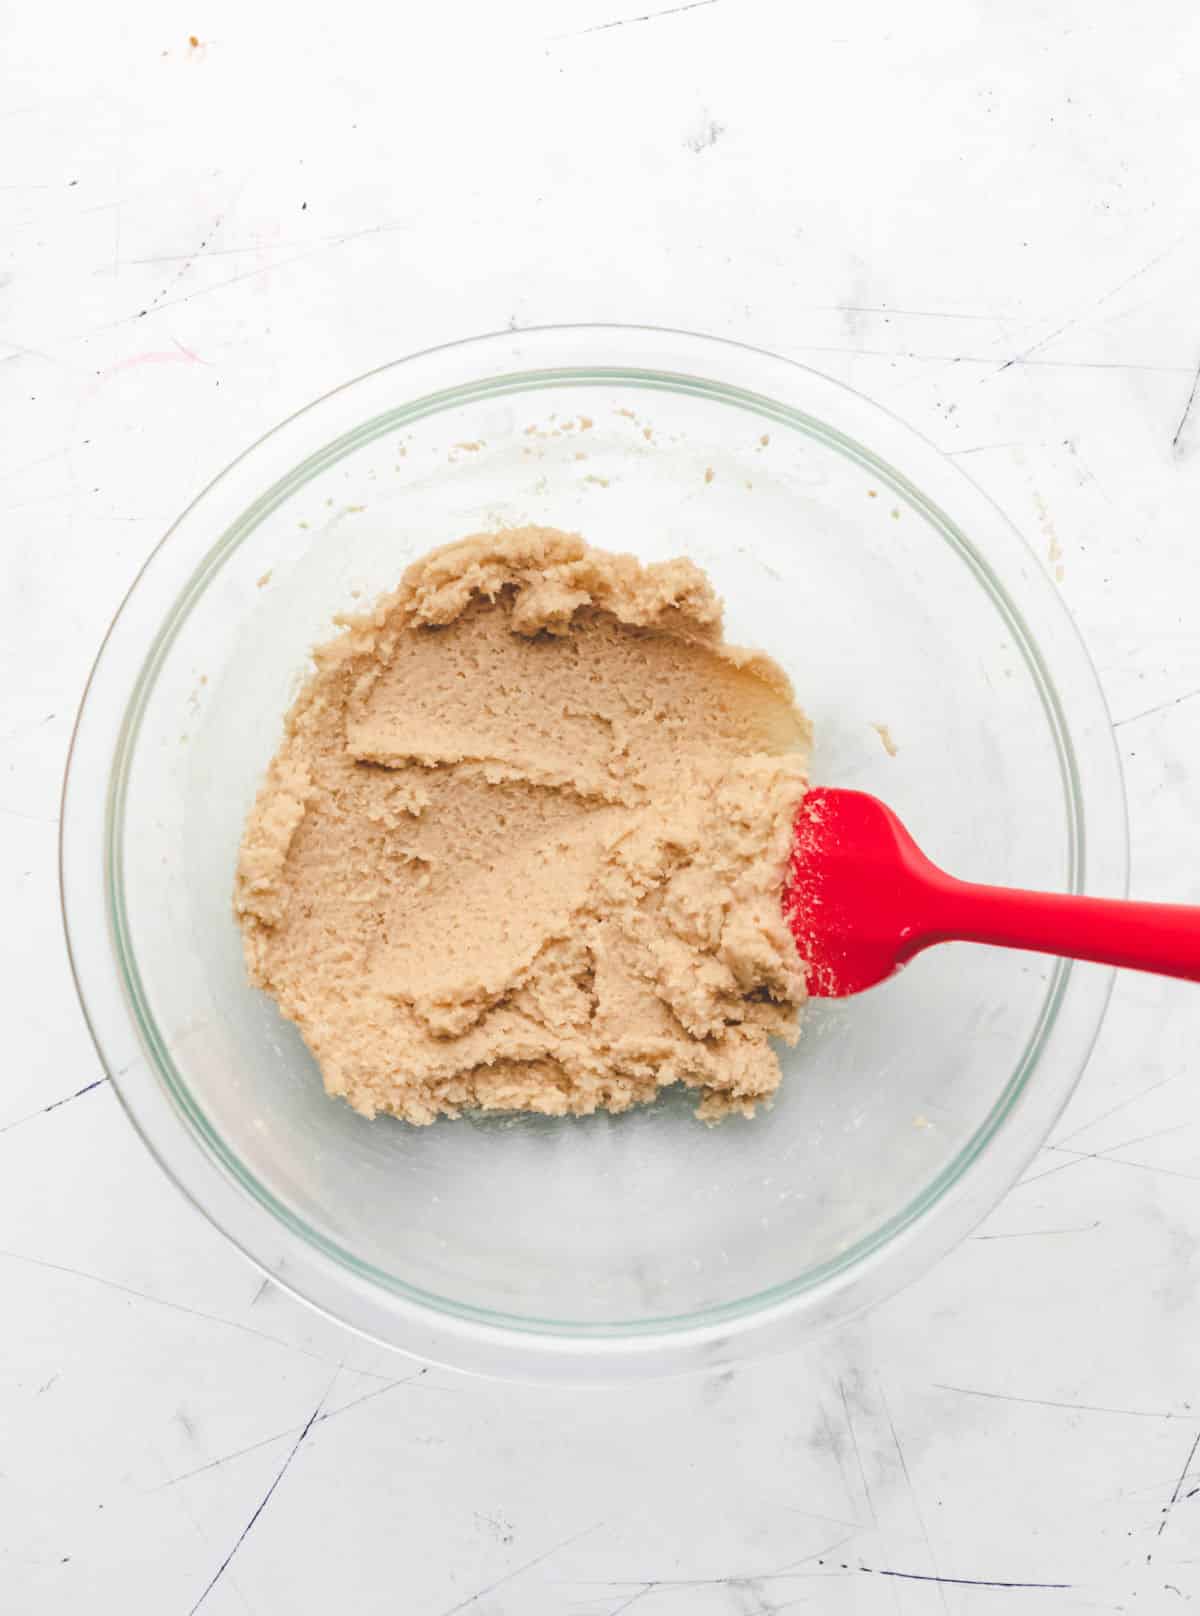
(862, 899)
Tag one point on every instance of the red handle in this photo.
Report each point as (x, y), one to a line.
(1159, 937)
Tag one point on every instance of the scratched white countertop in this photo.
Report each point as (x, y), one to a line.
(984, 217)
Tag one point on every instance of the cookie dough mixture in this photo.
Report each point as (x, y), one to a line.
(523, 845)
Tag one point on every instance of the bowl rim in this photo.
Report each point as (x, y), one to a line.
(373, 1301)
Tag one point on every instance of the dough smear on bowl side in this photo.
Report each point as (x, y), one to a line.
(523, 843)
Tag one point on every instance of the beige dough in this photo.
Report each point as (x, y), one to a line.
(523, 843)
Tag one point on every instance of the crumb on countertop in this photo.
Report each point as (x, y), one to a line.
(885, 735)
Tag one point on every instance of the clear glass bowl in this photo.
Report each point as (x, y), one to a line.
(892, 591)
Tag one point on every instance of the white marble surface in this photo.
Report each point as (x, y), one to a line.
(986, 218)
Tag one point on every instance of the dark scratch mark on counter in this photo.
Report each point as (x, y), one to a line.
(311, 245)
(748, 1583)
(1075, 319)
(1144, 1167)
(912, 1491)
(1187, 410)
(731, 1579)
(911, 314)
(961, 1582)
(650, 16)
(1162, 707)
(858, 1456)
(1034, 1234)
(1150, 264)
(1178, 1489)
(1075, 1157)
(266, 1498)
(54, 1105)
(1071, 1408)
(1036, 1178)
(482, 1593)
(1044, 342)
(278, 1436)
(1111, 1112)
(175, 1307)
(625, 1604)
(328, 245)
(225, 1458)
(989, 359)
(156, 300)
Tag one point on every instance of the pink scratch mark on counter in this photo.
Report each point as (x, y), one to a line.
(179, 355)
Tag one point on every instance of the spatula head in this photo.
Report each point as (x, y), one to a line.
(852, 893)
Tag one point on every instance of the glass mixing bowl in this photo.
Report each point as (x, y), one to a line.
(895, 595)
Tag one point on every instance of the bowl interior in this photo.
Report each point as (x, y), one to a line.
(882, 613)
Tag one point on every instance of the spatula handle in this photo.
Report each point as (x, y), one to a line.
(1159, 937)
